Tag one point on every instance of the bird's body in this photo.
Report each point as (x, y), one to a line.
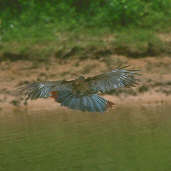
(82, 93)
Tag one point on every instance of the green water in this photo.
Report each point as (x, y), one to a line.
(127, 139)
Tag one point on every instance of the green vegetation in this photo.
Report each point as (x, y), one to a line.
(72, 13)
(37, 30)
(127, 139)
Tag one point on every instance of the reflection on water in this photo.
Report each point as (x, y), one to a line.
(126, 139)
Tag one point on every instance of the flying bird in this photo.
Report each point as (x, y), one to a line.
(82, 93)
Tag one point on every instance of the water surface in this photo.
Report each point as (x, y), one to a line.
(127, 139)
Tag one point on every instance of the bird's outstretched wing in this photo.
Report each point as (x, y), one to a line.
(81, 93)
(117, 78)
(65, 95)
(44, 89)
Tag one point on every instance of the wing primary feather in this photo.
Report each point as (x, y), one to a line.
(35, 95)
(122, 67)
(41, 93)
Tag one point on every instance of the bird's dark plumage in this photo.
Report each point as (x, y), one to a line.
(81, 94)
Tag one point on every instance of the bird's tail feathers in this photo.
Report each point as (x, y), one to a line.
(90, 103)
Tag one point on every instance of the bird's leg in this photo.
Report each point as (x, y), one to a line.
(54, 94)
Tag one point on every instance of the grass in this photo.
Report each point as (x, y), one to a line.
(37, 31)
(41, 43)
(128, 139)
(139, 43)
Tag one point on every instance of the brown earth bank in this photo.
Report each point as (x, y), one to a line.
(154, 88)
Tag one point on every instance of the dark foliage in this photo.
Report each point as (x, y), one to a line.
(89, 12)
